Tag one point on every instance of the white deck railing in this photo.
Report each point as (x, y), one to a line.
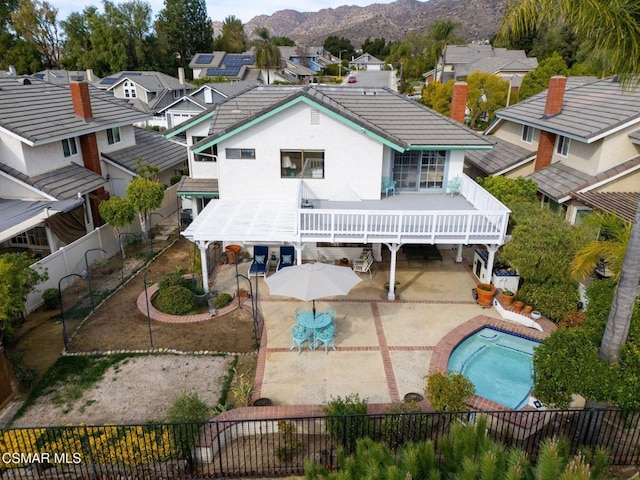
(487, 223)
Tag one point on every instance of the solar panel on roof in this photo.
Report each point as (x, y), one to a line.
(204, 59)
(39, 75)
(108, 81)
(224, 72)
(130, 74)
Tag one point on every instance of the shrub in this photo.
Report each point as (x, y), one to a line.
(573, 319)
(346, 420)
(173, 279)
(448, 392)
(291, 443)
(553, 300)
(175, 300)
(222, 300)
(404, 423)
(175, 179)
(189, 411)
(51, 298)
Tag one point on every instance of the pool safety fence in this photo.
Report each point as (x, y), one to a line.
(279, 447)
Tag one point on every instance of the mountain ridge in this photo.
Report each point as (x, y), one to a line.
(479, 20)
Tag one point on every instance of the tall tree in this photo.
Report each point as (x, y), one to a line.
(232, 39)
(442, 33)
(624, 300)
(37, 23)
(378, 47)
(608, 27)
(186, 27)
(266, 51)
(613, 29)
(335, 44)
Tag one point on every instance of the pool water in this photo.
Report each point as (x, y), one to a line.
(499, 364)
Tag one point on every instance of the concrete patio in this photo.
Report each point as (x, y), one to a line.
(384, 349)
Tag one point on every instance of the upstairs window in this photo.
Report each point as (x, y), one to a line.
(69, 147)
(562, 146)
(302, 163)
(129, 89)
(527, 134)
(208, 155)
(113, 135)
(240, 153)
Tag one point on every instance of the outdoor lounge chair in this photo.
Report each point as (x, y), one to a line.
(453, 186)
(287, 257)
(364, 263)
(260, 263)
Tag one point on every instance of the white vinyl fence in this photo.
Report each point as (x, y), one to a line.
(70, 259)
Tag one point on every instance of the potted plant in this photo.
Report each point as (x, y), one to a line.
(507, 297)
(486, 291)
(517, 306)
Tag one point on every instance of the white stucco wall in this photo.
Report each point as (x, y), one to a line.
(11, 152)
(351, 158)
(45, 158)
(127, 139)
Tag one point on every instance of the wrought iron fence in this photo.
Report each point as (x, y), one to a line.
(280, 447)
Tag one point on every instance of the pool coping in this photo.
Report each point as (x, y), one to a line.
(442, 351)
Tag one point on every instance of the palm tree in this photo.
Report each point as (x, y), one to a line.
(624, 300)
(265, 50)
(610, 28)
(611, 245)
(441, 32)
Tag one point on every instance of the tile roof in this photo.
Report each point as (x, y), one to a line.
(190, 186)
(590, 110)
(39, 112)
(63, 183)
(496, 161)
(393, 117)
(151, 81)
(152, 148)
(623, 204)
(559, 180)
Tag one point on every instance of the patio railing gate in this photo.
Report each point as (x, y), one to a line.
(280, 446)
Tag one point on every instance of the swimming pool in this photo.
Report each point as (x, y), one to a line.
(499, 364)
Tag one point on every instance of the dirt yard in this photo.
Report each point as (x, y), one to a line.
(139, 389)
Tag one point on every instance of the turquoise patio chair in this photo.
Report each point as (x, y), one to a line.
(326, 337)
(332, 312)
(388, 185)
(299, 335)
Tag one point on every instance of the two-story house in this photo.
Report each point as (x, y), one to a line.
(63, 146)
(304, 166)
(149, 92)
(579, 136)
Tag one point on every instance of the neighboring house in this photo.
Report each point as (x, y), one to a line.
(231, 66)
(199, 100)
(65, 76)
(458, 61)
(61, 149)
(316, 59)
(303, 165)
(580, 136)
(366, 62)
(149, 92)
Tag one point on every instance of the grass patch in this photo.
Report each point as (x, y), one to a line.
(70, 377)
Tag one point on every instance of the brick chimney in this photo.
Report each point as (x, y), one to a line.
(459, 101)
(81, 99)
(553, 106)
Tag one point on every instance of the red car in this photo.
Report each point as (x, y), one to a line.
(351, 79)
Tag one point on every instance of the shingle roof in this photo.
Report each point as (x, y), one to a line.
(623, 204)
(41, 112)
(589, 110)
(393, 117)
(152, 148)
(503, 156)
(63, 183)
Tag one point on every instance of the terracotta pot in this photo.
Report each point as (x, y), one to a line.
(517, 306)
(486, 291)
(527, 309)
(507, 300)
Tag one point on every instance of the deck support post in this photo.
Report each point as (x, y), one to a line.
(459, 254)
(203, 246)
(393, 248)
(491, 250)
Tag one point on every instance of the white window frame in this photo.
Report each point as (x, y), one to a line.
(240, 153)
(113, 135)
(69, 147)
(208, 155)
(527, 134)
(129, 89)
(562, 146)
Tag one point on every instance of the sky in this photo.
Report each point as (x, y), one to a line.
(218, 10)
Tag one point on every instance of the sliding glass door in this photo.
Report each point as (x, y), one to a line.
(416, 171)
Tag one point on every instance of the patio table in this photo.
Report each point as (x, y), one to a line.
(315, 324)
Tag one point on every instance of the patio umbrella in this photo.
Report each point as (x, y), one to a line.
(310, 281)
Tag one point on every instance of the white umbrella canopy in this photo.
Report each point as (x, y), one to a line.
(311, 281)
